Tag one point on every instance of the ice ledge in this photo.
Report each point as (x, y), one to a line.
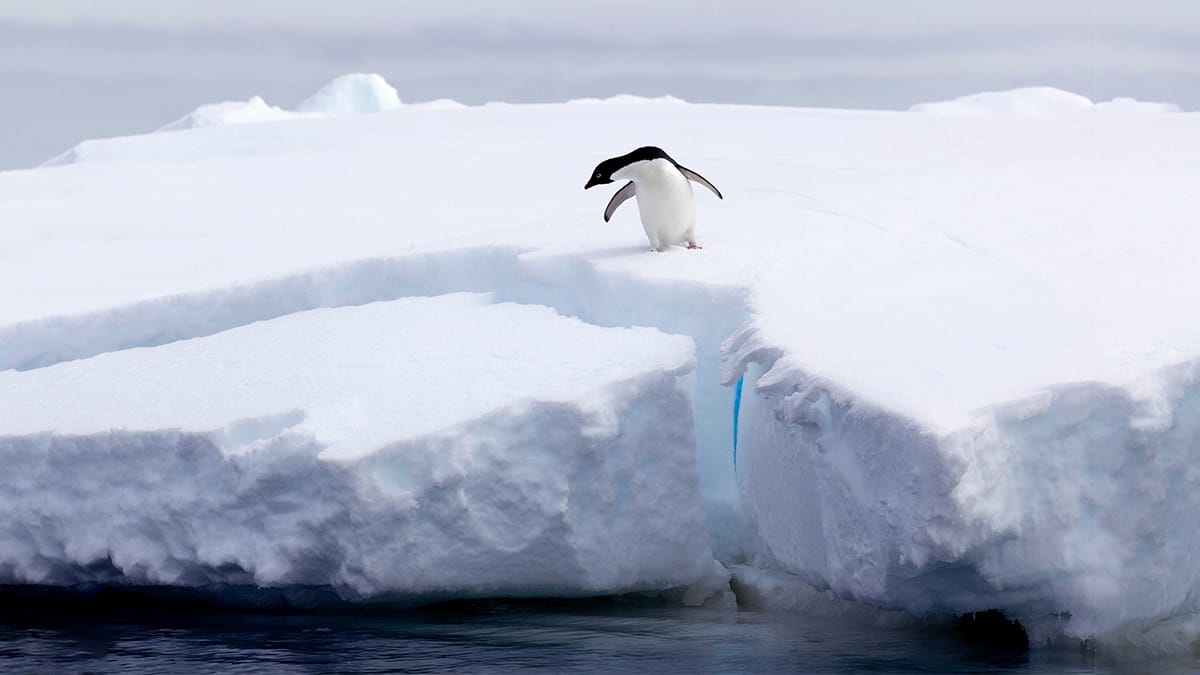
(1077, 501)
(396, 450)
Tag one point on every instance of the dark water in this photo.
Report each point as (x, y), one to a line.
(579, 636)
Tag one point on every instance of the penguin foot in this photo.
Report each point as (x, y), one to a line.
(692, 244)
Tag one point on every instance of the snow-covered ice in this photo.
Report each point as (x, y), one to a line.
(968, 352)
(419, 447)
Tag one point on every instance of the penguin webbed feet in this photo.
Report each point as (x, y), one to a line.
(691, 246)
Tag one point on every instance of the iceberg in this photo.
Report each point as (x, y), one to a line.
(966, 359)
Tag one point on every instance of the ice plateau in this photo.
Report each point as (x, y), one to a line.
(967, 357)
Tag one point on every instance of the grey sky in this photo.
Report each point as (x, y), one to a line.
(73, 69)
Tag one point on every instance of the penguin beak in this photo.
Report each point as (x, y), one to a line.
(593, 182)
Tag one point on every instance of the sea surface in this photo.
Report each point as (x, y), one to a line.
(592, 636)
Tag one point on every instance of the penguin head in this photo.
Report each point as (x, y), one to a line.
(602, 174)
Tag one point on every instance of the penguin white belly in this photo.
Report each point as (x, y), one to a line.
(665, 202)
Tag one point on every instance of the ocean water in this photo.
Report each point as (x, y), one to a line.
(595, 636)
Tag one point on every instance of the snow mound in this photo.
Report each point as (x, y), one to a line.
(418, 448)
(353, 94)
(1037, 102)
(229, 112)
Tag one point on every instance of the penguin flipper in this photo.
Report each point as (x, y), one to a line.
(692, 175)
(618, 199)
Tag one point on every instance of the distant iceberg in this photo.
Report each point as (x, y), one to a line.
(627, 99)
(1037, 102)
(354, 94)
(229, 112)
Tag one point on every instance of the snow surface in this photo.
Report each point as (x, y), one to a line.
(967, 340)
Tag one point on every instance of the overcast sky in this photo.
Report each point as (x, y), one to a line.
(75, 69)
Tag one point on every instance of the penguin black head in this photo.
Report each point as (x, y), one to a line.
(602, 174)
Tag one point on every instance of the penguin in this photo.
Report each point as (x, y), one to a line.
(664, 194)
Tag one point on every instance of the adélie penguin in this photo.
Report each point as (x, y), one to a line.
(664, 194)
